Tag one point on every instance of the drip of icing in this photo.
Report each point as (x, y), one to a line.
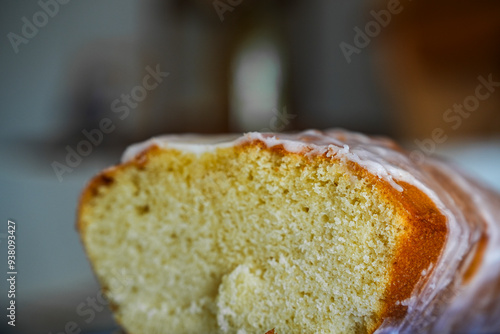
(444, 301)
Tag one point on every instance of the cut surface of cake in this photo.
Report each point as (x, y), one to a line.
(316, 232)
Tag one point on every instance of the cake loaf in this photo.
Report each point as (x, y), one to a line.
(314, 232)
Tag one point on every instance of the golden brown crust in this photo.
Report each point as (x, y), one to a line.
(418, 250)
(479, 251)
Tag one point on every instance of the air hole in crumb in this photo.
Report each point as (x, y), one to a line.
(324, 219)
(305, 209)
(135, 181)
(143, 209)
(139, 248)
(305, 294)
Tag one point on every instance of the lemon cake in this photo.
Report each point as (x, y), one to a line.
(314, 232)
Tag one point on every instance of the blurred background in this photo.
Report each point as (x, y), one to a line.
(81, 80)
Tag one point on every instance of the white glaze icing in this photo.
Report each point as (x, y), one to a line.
(188, 143)
(443, 302)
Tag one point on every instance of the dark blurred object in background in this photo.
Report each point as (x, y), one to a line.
(430, 59)
(235, 67)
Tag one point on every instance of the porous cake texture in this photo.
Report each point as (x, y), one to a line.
(251, 235)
